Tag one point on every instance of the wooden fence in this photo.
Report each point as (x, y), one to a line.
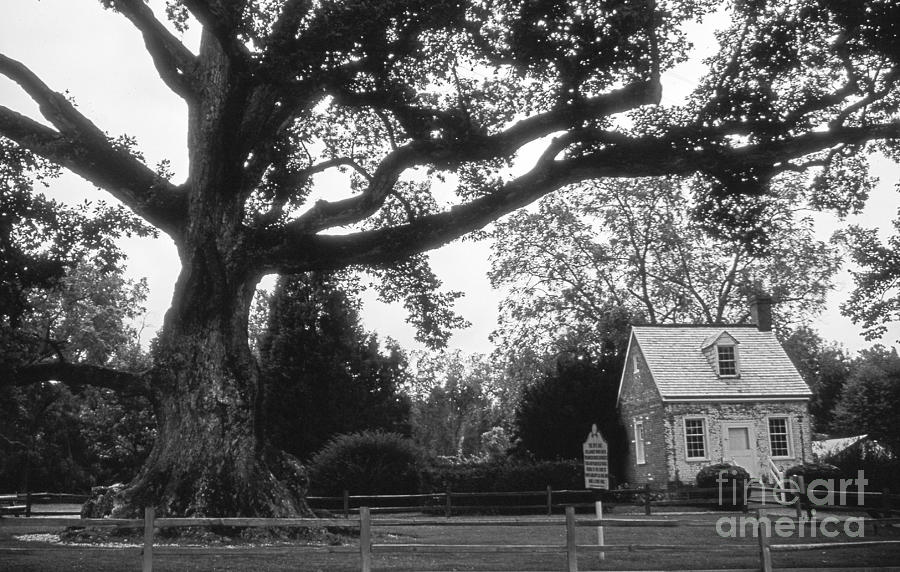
(552, 501)
(449, 503)
(22, 503)
(548, 501)
(369, 549)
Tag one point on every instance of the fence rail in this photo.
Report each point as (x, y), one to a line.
(555, 501)
(21, 503)
(548, 501)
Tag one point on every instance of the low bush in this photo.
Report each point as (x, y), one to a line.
(812, 471)
(502, 476)
(370, 462)
(729, 482)
(806, 473)
(709, 476)
(879, 466)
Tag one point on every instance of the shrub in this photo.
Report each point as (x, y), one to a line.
(369, 462)
(502, 476)
(708, 476)
(880, 467)
(812, 471)
(536, 476)
(734, 477)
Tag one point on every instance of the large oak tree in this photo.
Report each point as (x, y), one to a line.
(402, 93)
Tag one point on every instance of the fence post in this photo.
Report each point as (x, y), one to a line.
(448, 508)
(346, 503)
(149, 517)
(647, 499)
(598, 510)
(571, 550)
(800, 493)
(765, 553)
(886, 508)
(549, 501)
(365, 539)
(745, 496)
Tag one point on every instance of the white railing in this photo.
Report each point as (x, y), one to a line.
(776, 475)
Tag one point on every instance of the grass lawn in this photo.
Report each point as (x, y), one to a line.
(733, 552)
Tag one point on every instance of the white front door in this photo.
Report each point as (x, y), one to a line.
(739, 446)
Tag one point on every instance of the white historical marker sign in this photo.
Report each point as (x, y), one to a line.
(596, 461)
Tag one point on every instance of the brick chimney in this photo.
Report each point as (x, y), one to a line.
(761, 311)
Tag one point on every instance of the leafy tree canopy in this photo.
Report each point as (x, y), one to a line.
(55, 437)
(875, 302)
(825, 367)
(61, 289)
(870, 398)
(456, 400)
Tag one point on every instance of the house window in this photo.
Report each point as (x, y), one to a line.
(695, 438)
(727, 361)
(778, 437)
(639, 442)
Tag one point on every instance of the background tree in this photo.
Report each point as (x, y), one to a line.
(62, 294)
(588, 262)
(69, 440)
(875, 301)
(556, 413)
(825, 367)
(456, 399)
(870, 400)
(403, 93)
(322, 374)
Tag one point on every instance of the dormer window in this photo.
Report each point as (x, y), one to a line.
(721, 351)
(727, 361)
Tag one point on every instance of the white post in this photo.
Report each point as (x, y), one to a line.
(365, 539)
(598, 509)
(149, 517)
(571, 547)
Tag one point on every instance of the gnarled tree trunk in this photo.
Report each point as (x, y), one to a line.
(210, 457)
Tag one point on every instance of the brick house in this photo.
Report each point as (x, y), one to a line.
(692, 396)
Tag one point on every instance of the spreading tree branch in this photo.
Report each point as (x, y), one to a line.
(297, 248)
(10, 443)
(82, 147)
(328, 214)
(285, 28)
(315, 251)
(174, 62)
(222, 19)
(79, 375)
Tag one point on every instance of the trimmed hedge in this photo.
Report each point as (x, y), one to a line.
(812, 471)
(734, 477)
(369, 462)
(708, 476)
(502, 476)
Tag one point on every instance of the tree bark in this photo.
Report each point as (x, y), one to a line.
(210, 457)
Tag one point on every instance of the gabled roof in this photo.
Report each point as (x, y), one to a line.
(721, 335)
(680, 370)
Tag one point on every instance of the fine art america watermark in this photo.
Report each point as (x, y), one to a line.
(818, 493)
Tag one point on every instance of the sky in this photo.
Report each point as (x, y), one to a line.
(99, 59)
